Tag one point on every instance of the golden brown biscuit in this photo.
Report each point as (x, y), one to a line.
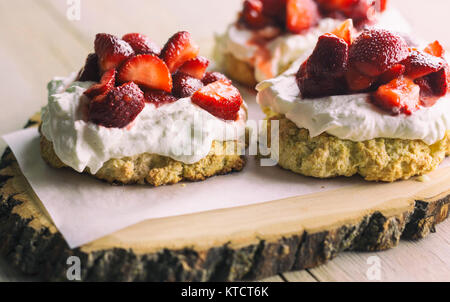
(239, 71)
(158, 170)
(379, 159)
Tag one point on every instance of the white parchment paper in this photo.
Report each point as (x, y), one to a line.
(84, 208)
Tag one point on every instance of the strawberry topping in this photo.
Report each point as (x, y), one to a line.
(141, 44)
(220, 99)
(399, 79)
(146, 70)
(118, 107)
(159, 97)
(211, 77)
(195, 67)
(111, 51)
(179, 49)
(301, 15)
(184, 85)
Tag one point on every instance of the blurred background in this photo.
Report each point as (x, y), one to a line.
(39, 42)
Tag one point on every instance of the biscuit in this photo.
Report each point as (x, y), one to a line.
(158, 170)
(380, 159)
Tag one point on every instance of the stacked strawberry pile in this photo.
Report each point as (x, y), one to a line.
(399, 78)
(133, 71)
(297, 16)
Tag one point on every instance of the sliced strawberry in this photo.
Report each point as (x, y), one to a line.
(275, 9)
(435, 49)
(146, 70)
(211, 77)
(184, 85)
(158, 97)
(111, 51)
(342, 5)
(118, 107)
(401, 95)
(427, 96)
(301, 15)
(376, 51)
(345, 31)
(141, 44)
(179, 49)
(252, 15)
(419, 64)
(381, 5)
(314, 87)
(220, 99)
(439, 81)
(195, 67)
(107, 83)
(90, 72)
(329, 58)
(357, 81)
(393, 73)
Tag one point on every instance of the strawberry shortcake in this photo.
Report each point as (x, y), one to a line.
(136, 113)
(270, 34)
(374, 106)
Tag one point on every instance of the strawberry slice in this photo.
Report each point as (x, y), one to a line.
(220, 99)
(301, 15)
(111, 51)
(195, 67)
(252, 15)
(345, 31)
(419, 64)
(107, 83)
(376, 50)
(329, 58)
(393, 73)
(435, 49)
(211, 77)
(146, 70)
(117, 108)
(90, 72)
(141, 44)
(158, 97)
(357, 81)
(401, 95)
(275, 9)
(184, 85)
(179, 49)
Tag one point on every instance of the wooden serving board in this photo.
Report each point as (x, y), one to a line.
(250, 242)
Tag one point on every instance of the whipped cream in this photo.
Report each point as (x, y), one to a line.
(285, 49)
(180, 130)
(351, 117)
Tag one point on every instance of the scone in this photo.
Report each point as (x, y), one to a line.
(269, 35)
(371, 106)
(139, 114)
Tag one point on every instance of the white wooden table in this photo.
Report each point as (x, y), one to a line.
(38, 41)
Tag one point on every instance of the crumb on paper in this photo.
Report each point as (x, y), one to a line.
(183, 185)
(323, 187)
(423, 178)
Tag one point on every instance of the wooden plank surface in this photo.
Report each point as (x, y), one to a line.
(38, 42)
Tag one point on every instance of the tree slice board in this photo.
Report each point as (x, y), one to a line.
(245, 243)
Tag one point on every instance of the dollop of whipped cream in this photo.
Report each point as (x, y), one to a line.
(352, 117)
(285, 49)
(180, 130)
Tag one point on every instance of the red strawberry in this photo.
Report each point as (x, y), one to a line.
(400, 95)
(377, 50)
(179, 49)
(111, 51)
(332, 5)
(301, 15)
(90, 72)
(146, 70)
(252, 15)
(435, 49)
(220, 99)
(393, 73)
(439, 81)
(275, 9)
(381, 5)
(419, 64)
(158, 97)
(184, 85)
(314, 87)
(345, 31)
(141, 44)
(195, 67)
(117, 108)
(427, 97)
(329, 58)
(211, 77)
(107, 83)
